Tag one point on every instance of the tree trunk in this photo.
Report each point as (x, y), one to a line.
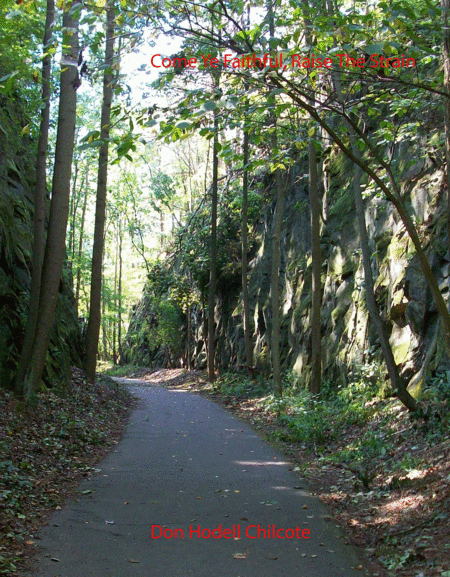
(80, 243)
(245, 296)
(397, 382)
(316, 289)
(73, 210)
(314, 202)
(189, 337)
(116, 271)
(93, 328)
(445, 5)
(59, 207)
(39, 206)
(161, 225)
(276, 240)
(104, 324)
(372, 306)
(275, 284)
(213, 254)
(119, 328)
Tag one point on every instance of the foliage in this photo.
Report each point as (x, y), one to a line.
(166, 331)
(237, 385)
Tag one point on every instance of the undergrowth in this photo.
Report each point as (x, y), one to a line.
(315, 422)
(111, 370)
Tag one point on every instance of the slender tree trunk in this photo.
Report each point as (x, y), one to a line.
(369, 291)
(213, 254)
(315, 210)
(119, 328)
(189, 337)
(275, 283)
(116, 272)
(93, 328)
(104, 325)
(245, 295)
(73, 210)
(39, 206)
(59, 207)
(445, 5)
(276, 241)
(80, 242)
(161, 225)
(316, 290)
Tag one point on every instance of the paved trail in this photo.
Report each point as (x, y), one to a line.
(186, 464)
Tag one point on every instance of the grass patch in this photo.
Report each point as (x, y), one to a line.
(111, 370)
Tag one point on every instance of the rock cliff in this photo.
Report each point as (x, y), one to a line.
(349, 343)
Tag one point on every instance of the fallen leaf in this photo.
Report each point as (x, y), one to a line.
(54, 559)
(240, 556)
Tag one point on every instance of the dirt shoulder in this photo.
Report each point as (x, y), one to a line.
(46, 450)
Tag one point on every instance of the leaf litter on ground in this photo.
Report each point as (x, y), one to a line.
(45, 450)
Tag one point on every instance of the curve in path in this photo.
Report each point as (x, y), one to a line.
(192, 491)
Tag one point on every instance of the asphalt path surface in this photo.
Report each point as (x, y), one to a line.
(192, 490)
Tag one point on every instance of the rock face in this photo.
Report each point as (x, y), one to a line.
(349, 343)
(16, 235)
(348, 338)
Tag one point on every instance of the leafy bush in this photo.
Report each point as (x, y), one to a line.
(240, 386)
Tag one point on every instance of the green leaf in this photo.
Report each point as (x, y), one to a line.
(209, 105)
(183, 125)
(374, 48)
